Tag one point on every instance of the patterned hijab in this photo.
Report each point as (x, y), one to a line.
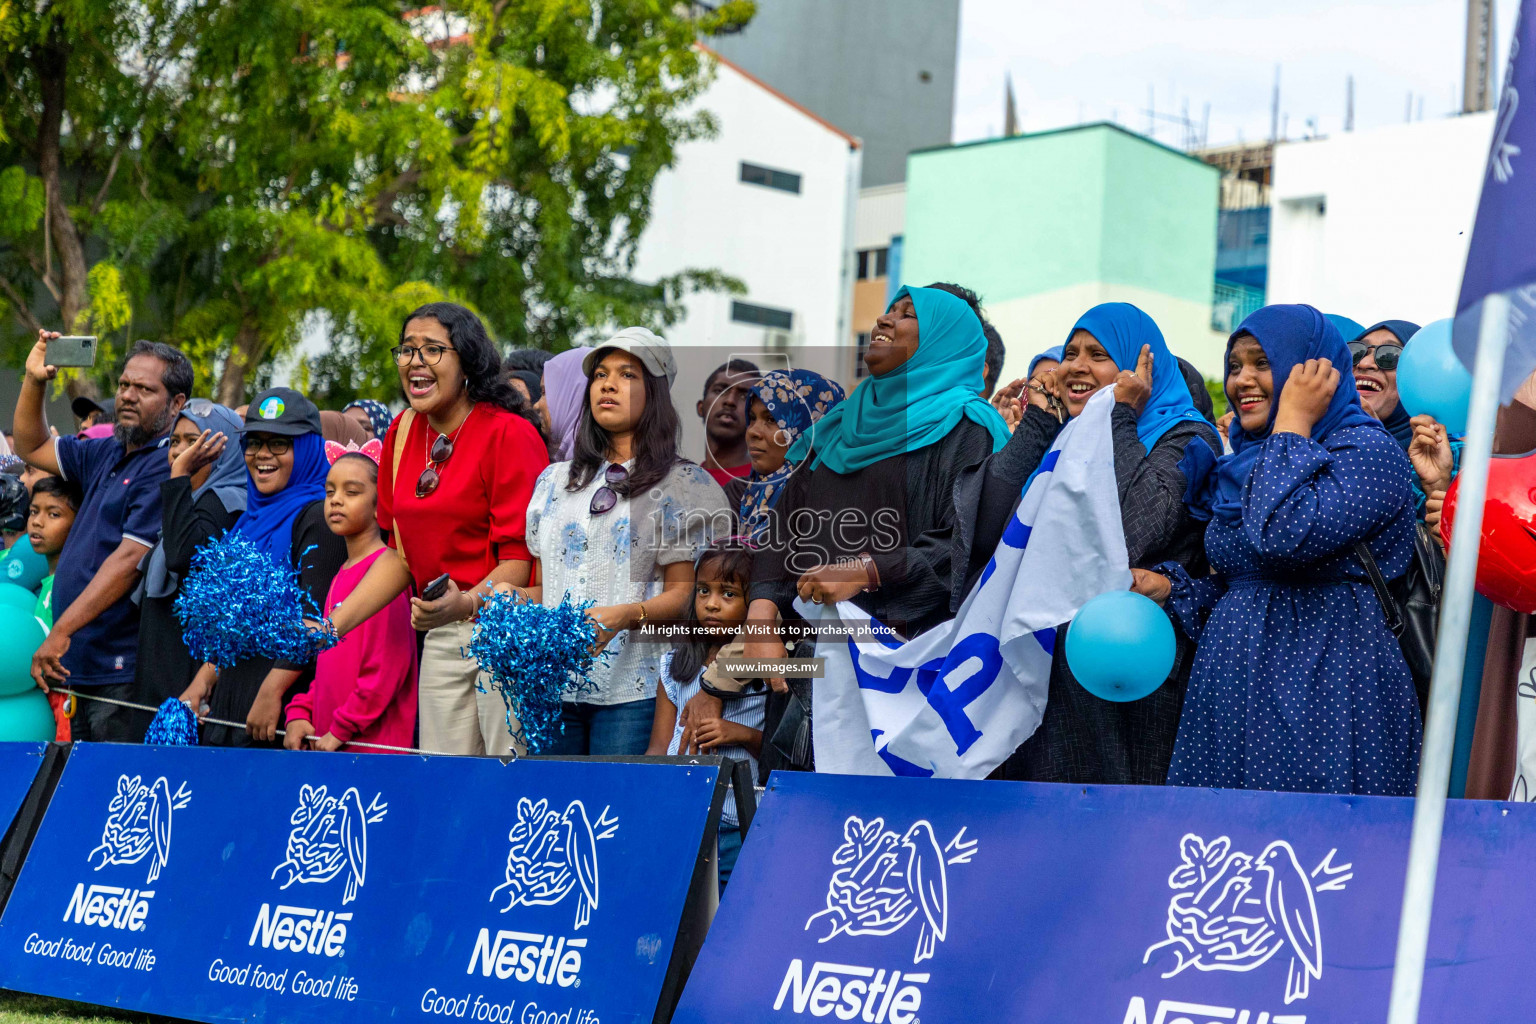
(378, 415)
(796, 399)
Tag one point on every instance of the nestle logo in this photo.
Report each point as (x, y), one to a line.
(301, 930)
(852, 992)
(1174, 1011)
(109, 906)
(528, 956)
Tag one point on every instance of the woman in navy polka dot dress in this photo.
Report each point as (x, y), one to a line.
(1297, 684)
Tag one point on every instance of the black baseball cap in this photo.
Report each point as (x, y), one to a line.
(282, 411)
(83, 407)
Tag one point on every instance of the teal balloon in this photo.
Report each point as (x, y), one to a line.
(1350, 329)
(1120, 646)
(1431, 380)
(12, 596)
(26, 718)
(23, 566)
(23, 635)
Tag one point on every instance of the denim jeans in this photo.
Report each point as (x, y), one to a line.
(612, 730)
(730, 849)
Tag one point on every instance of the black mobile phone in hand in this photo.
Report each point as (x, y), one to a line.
(436, 589)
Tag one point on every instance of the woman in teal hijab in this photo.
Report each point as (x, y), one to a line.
(916, 392)
(868, 515)
(1162, 447)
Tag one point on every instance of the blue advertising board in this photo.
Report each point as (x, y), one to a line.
(900, 901)
(19, 763)
(272, 886)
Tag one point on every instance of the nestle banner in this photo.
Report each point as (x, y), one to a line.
(264, 885)
(901, 901)
(19, 763)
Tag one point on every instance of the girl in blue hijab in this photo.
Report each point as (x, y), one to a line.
(1162, 447)
(1297, 683)
(284, 519)
(792, 400)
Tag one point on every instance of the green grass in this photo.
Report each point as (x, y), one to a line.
(19, 1008)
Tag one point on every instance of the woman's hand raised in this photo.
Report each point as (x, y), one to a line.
(1306, 395)
(1133, 389)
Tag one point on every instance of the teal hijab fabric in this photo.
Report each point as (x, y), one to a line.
(1123, 329)
(918, 403)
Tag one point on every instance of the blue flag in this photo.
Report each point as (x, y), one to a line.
(1502, 257)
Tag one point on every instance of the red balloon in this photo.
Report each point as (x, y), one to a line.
(1506, 561)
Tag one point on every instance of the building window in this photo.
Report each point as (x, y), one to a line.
(762, 316)
(860, 346)
(784, 181)
(874, 263)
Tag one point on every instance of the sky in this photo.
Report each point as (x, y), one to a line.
(1073, 61)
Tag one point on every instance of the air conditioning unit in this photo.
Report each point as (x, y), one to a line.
(777, 341)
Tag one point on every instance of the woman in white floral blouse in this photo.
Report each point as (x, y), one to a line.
(621, 524)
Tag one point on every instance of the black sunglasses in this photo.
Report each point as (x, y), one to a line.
(442, 448)
(1387, 354)
(605, 498)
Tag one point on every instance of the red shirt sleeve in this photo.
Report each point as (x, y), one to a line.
(513, 469)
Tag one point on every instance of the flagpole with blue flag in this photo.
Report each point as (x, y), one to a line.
(1495, 334)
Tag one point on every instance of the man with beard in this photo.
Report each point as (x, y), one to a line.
(96, 624)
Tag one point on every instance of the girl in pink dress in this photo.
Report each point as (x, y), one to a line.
(365, 687)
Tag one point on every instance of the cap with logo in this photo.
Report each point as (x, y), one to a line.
(282, 411)
(652, 351)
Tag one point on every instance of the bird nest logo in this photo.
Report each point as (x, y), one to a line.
(330, 835)
(884, 880)
(552, 854)
(1235, 911)
(138, 821)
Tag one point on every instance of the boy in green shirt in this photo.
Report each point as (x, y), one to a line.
(49, 518)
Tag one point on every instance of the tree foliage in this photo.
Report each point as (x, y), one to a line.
(238, 176)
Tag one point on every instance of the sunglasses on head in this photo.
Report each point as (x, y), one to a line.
(605, 498)
(1386, 354)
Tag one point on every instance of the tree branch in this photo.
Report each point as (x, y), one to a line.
(19, 307)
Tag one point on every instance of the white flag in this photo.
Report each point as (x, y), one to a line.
(956, 701)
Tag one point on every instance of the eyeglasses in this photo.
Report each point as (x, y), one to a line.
(605, 498)
(275, 445)
(430, 355)
(439, 453)
(1386, 355)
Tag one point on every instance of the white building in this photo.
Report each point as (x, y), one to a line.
(769, 201)
(1375, 225)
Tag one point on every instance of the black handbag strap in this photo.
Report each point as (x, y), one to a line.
(1389, 608)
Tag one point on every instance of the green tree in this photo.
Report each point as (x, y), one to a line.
(235, 176)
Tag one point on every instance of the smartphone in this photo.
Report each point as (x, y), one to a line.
(72, 350)
(436, 589)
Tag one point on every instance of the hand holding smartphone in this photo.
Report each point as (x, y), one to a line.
(73, 350)
(436, 589)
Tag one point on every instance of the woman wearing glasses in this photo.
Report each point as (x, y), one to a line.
(458, 468)
(1435, 456)
(621, 524)
(285, 468)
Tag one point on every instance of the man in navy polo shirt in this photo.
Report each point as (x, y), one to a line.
(96, 624)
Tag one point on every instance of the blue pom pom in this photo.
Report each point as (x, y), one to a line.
(237, 604)
(534, 657)
(174, 726)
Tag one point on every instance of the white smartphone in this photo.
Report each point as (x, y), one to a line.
(72, 350)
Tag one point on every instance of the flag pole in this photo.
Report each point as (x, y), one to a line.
(1450, 653)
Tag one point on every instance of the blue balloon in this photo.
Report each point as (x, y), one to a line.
(1350, 329)
(1432, 381)
(1120, 646)
(23, 566)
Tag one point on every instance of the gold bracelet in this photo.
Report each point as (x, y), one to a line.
(641, 606)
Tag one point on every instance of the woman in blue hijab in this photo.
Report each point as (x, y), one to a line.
(867, 515)
(1297, 683)
(203, 497)
(284, 518)
(1163, 446)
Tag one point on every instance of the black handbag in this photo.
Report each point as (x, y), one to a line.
(1411, 605)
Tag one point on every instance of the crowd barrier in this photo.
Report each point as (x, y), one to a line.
(909, 901)
(257, 885)
(265, 886)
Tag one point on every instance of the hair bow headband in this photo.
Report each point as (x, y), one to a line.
(373, 450)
